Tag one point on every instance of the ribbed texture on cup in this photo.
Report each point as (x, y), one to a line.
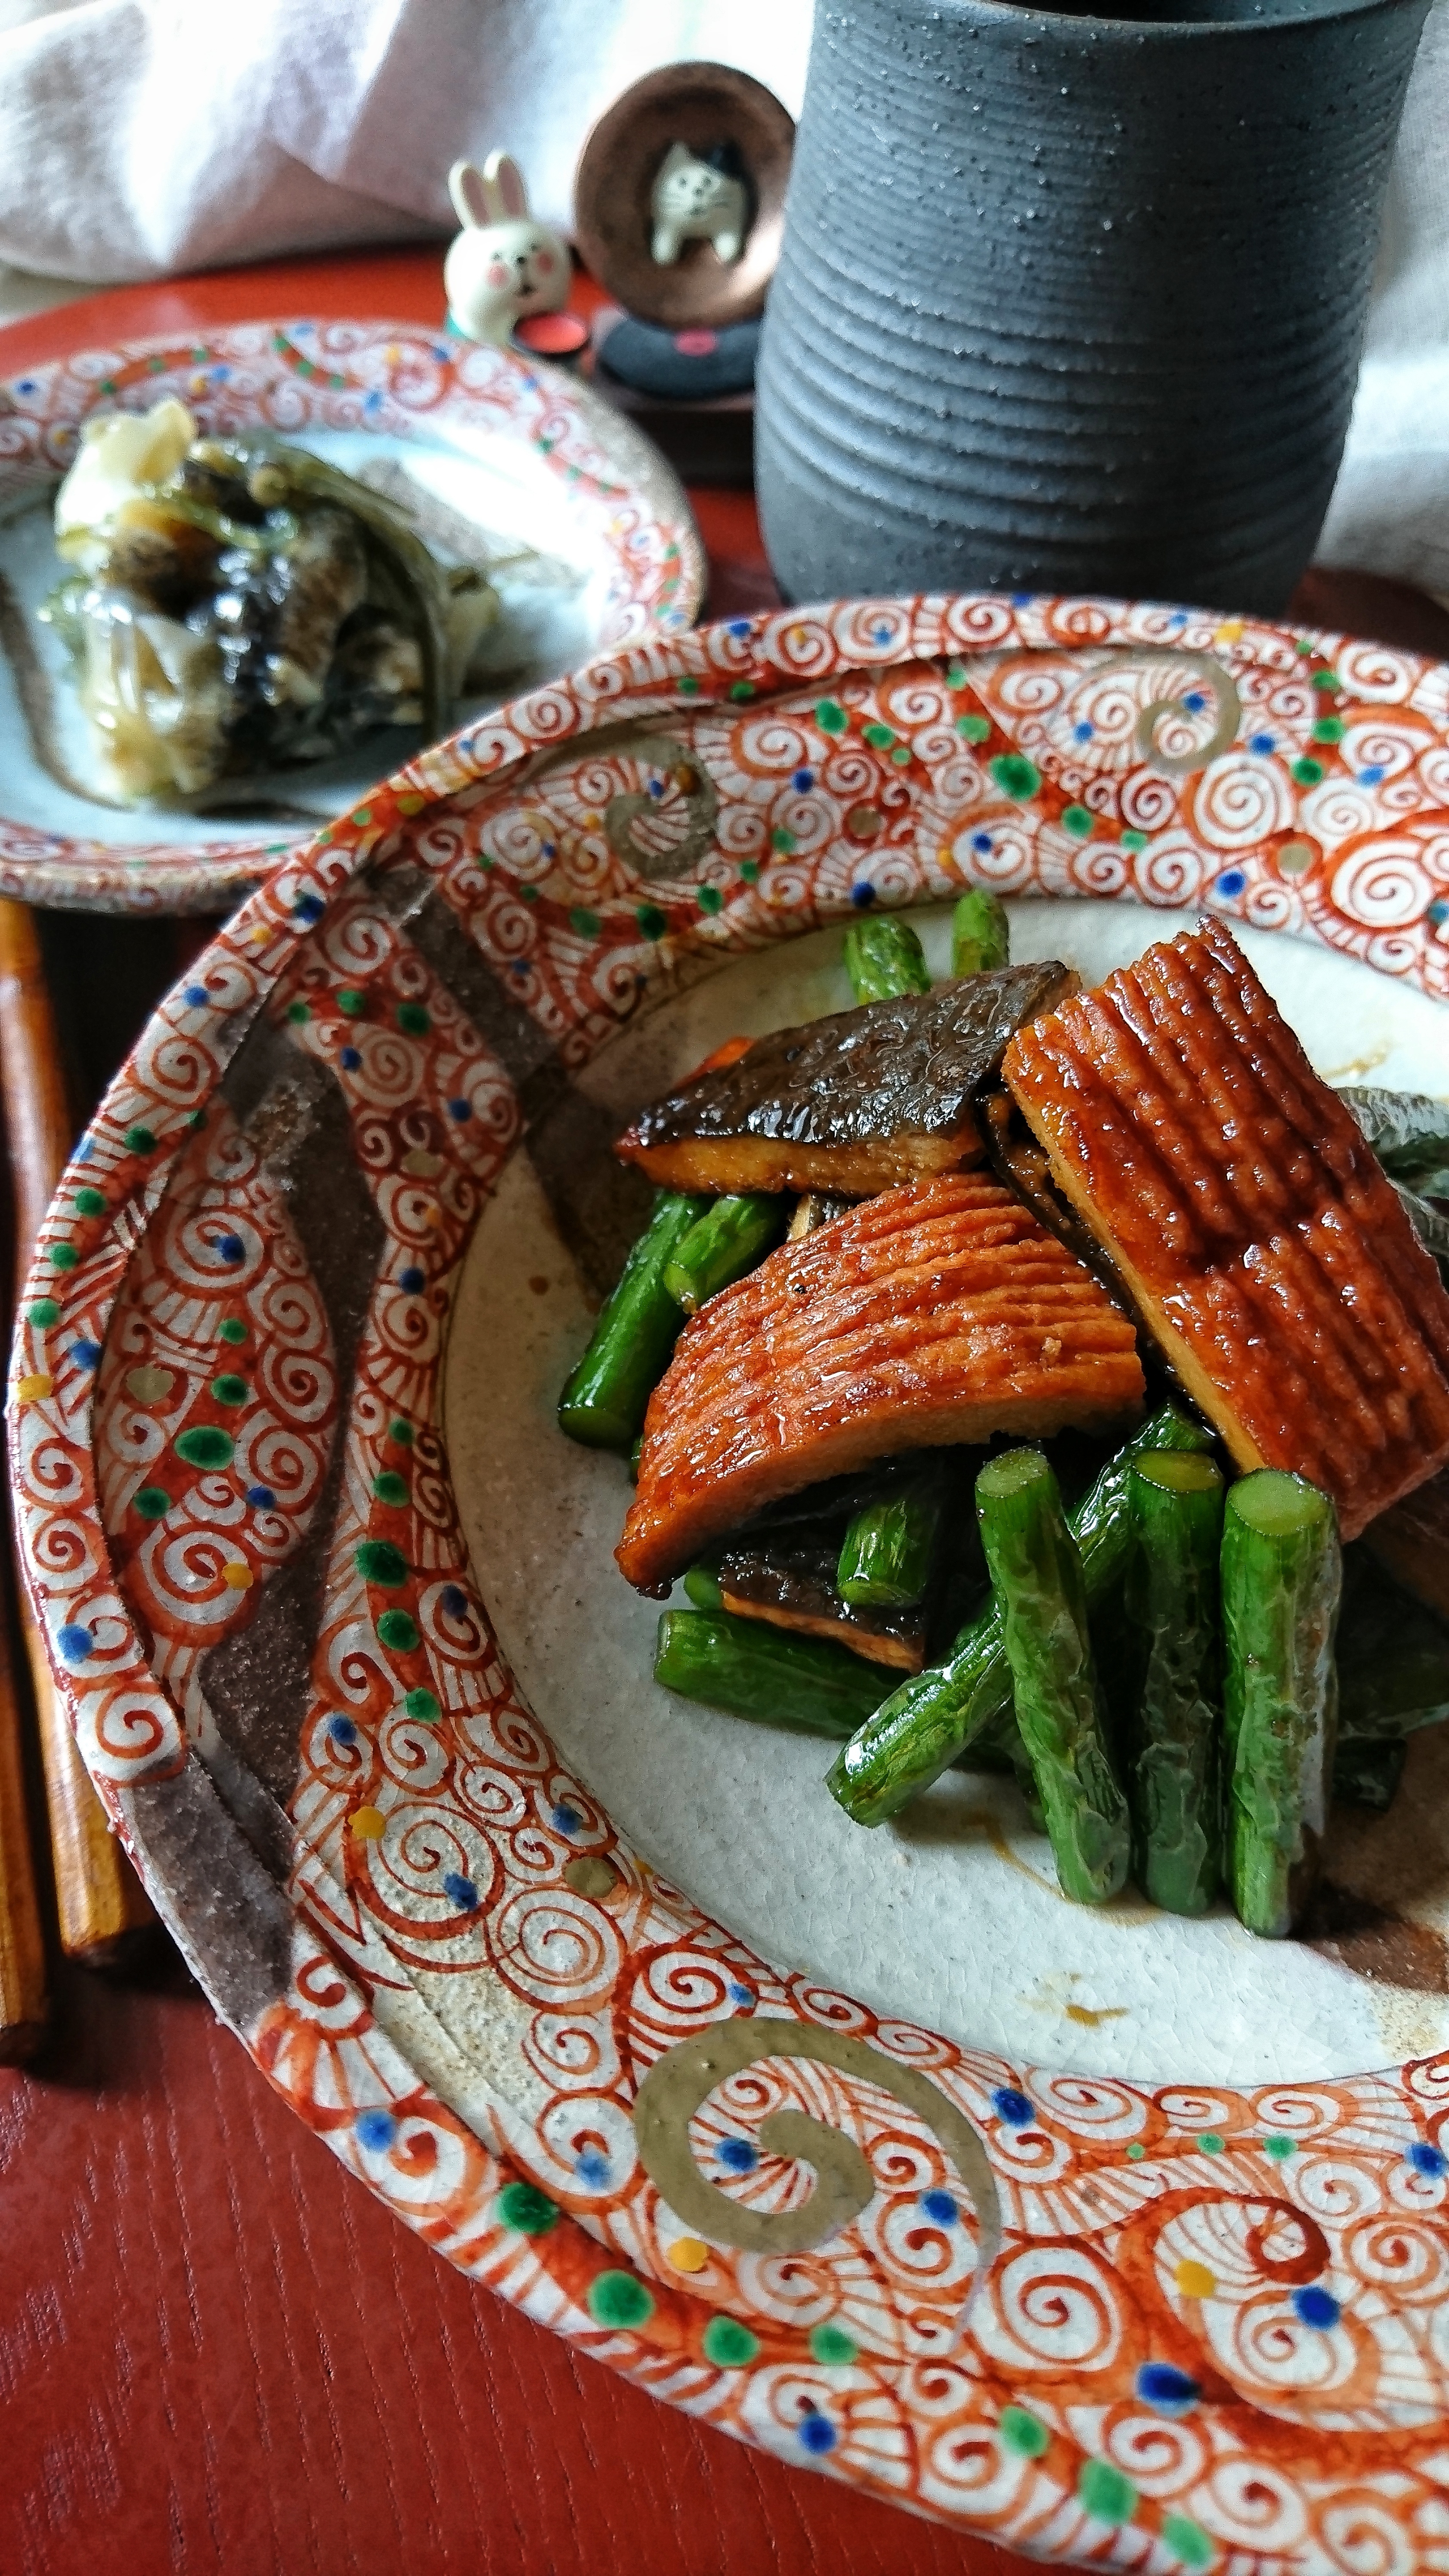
(1067, 304)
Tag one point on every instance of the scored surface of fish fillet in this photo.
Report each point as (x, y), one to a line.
(1250, 1220)
(939, 1312)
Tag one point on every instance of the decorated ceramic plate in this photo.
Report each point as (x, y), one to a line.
(581, 526)
(1101, 2234)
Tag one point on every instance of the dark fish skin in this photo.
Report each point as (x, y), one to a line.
(855, 1103)
(789, 1581)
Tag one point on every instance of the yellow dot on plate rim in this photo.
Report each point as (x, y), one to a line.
(369, 1824)
(411, 804)
(1195, 2280)
(237, 1577)
(687, 2254)
(1230, 631)
(29, 1390)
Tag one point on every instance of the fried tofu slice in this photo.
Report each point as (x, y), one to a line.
(1245, 1214)
(937, 1313)
(855, 1103)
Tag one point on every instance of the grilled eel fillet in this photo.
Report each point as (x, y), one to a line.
(854, 1103)
(939, 1312)
(1248, 1218)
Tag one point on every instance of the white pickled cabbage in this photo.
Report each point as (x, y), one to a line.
(122, 454)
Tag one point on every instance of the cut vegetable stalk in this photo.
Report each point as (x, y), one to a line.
(926, 1724)
(1392, 1657)
(1036, 1569)
(604, 1402)
(980, 933)
(1281, 1578)
(890, 1547)
(760, 1673)
(1174, 1775)
(884, 957)
(731, 1237)
(702, 1587)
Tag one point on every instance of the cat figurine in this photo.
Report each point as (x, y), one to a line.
(698, 199)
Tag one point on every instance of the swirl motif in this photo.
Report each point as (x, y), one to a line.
(684, 2077)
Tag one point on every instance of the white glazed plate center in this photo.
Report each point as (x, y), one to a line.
(951, 1917)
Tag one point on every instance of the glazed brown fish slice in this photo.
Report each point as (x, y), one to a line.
(789, 1582)
(1250, 1221)
(852, 1104)
(935, 1314)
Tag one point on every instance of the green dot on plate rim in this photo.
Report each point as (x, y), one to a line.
(206, 1445)
(1106, 2491)
(522, 2206)
(1024, 2434)
(619, 2299)
(1187, 2540)
(728, 2344)
(832, 2347)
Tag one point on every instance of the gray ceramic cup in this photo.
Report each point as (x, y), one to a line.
(1071, 303)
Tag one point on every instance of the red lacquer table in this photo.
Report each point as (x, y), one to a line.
(216, 2353)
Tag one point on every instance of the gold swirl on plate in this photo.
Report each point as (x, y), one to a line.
(687, 2074)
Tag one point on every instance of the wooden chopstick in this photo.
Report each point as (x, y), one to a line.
(99, 1900)
(24, 2001)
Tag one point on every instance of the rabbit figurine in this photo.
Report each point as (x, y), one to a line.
(502, 264)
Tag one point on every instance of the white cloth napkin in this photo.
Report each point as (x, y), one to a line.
(143, 136)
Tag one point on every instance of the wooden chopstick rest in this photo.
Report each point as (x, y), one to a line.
(99, 1899)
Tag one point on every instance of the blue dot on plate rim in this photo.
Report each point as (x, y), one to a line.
(460, 1110)
(1013, 2107)
(1426, 2159)
(817, 2433)
(1162, 2385)
(197, 995)
(460, 1891)
(567, 1819)
(1315, 2306)
(940, 2206)
(86, 1355)
(350, 1059)
(412, 1281)
(455, 1601)
(376, 2130)
(75, 1642)
(342, 1730)
(737, 2155)
(1231, 882)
